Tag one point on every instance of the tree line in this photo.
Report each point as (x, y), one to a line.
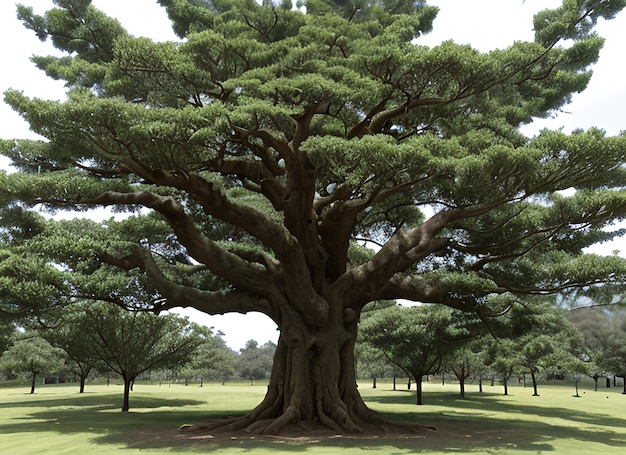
(101, 340)
(531, 339)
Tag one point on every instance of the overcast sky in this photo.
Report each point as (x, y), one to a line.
(485, 24)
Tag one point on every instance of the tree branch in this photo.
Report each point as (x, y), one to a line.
(219, 261)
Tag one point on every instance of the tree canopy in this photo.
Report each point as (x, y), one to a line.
(258, 154)
(32, 355)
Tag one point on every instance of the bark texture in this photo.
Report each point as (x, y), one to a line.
(312, 385)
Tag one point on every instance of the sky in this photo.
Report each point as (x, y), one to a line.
(485, 24)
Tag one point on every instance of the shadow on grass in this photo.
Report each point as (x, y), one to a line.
(470, 424)
(478, 418)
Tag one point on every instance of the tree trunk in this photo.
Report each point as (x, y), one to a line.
(312, 385)
(83, 378)
(32, 383)
(480, 384)
(533, 375)
(462, 386)
(506, 385)
(127, 388)
(418, 389)
(374, 382)
(394, 382)
(624, 380)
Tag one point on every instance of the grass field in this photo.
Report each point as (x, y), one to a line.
(57, 420)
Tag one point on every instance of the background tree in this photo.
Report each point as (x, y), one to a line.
(549, 341)
(416, 339)
(32, 355)
(504, 358)
(254, 361)
(267, 141)
(130, 343)
(213, 359)
(371, 363)
(66, 332)
(596, 326)
(612, 343)
(467, 361)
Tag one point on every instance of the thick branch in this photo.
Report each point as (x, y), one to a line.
(417, 290)
(219, 261)
(215, 203)
(256, 172)
(181, 296)
(374, 123)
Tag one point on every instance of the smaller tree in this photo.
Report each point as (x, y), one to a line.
(551, 341)
(416, 339)
(255, 362)
(603, 338)
(32, 355)
(466, 361)
(371, 363)
(213, 359)
(65, 331)
(503, 357)
(130, 343)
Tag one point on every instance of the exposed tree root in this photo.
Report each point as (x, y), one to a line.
(312, 392)
(287, 426)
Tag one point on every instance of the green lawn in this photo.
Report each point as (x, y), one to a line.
(57, 420)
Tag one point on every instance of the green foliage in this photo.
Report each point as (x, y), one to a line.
(32, 355)
(604, 331)
(256, 152)
(255, 362)
(131, 343)
(212, 360)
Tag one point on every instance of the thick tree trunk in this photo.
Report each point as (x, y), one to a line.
(462, 386)
(312, 386)
(83, 378)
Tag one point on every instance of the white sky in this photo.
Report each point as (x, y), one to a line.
(485, 24)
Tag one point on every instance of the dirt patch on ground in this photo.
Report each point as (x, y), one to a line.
(297, 434)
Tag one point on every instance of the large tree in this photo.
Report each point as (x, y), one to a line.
(262, 146)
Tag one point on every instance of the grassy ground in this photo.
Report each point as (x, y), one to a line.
(57, 420)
